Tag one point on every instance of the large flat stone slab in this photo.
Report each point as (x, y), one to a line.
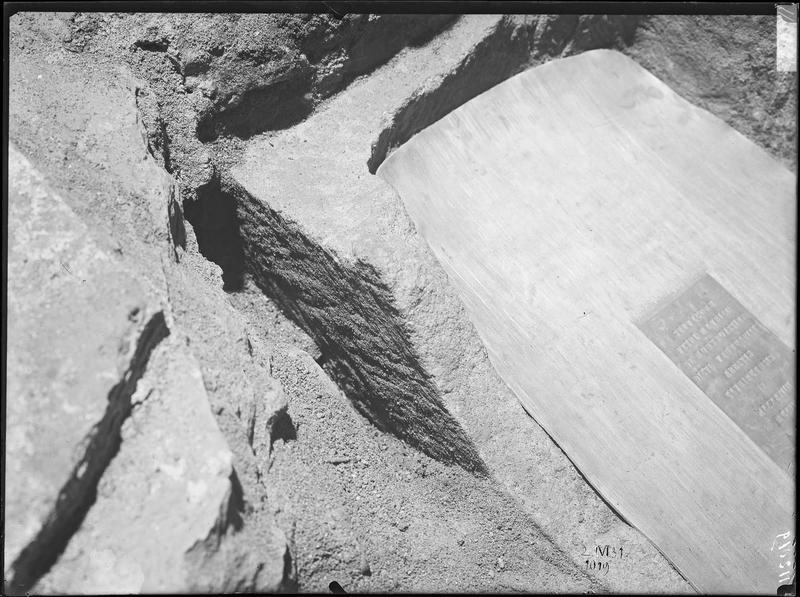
(570, 203)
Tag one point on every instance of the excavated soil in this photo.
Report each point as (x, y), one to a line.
(372, 442)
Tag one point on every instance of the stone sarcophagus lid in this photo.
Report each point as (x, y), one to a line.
(628, 260)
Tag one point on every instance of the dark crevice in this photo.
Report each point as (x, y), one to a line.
(177, 228)
(350, 313)
(213, 217)
(80, 492)
(281, 427)
(290, 584)
(234, 516)
(165, 143)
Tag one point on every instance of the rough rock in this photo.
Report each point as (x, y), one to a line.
(246, 400)
(96, 154)
(727, 65)
(170, 493)
(72, 308)
(219, 75)
(95, 151)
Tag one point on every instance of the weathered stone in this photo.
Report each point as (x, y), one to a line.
(80, 333)
(169, 498)
(95, 153)
(244, 397)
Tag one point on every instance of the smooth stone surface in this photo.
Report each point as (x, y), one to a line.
(566, 204)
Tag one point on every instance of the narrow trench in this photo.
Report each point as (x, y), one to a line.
(344, 307)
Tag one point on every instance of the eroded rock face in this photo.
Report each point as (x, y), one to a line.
(72, 309)
(149, 466)
(170, 488)
(134, 481)
(228, 77)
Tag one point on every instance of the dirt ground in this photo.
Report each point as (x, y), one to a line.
(374, 506)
